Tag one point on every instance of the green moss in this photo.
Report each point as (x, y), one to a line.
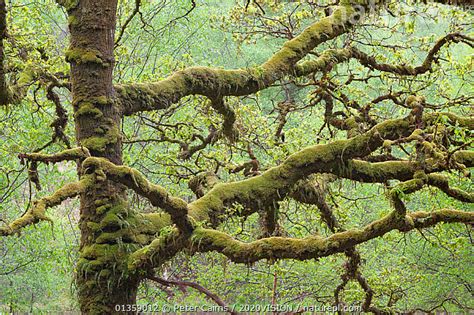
(99, 143)
(81, 55)
(111, 220)
(257, 191)
(93, 226)
(65, 155)
(145, 254)
(413, 100)
(269, 248)
(99, 130)
(317, 153)
(101, 202)
(103, 100)
(102, 209)
(72, 20)
(464, 157)
(352, 123)
(150, 223)
(95, 143)
(420, 175)
(122, 236)
(328, 57)
(88, 109)
(107, 252)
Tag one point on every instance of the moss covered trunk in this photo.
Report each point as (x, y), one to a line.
(102, 276)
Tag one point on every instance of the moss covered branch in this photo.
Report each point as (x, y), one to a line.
(402, 170)
(453, 119)
(5, 93)
(37, 212)
(216, 83)
(313, 247)
(161, 249)
(170, 243)
(274, 184)
(464, 157)
(255, 193)
(260, 192)
(442, 182)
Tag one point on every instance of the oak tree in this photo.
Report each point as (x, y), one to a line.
(418, 147)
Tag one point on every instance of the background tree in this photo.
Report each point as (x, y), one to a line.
(402, 127)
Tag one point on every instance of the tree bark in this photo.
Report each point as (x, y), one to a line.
(103, 279)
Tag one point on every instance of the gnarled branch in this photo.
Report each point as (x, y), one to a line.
(158, 196)
(216, 83)
(312, 247)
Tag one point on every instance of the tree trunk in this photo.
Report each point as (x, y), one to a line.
(106, 238)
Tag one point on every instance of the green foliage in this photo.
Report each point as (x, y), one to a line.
(410, 271)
